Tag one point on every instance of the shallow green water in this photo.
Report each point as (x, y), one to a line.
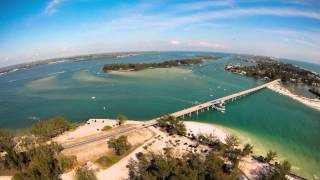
(266, 119)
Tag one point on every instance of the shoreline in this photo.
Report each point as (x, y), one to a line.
(119, 169)
(313, 103)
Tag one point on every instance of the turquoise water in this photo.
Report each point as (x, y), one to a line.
(266, 119)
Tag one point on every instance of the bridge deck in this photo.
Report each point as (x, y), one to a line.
(220, 100)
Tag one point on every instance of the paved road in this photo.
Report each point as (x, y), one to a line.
(99, 138)
(112, 134)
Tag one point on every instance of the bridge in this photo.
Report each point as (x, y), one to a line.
(218, 104)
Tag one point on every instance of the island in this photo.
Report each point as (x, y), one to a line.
(87, 57)
(142, 66)
(267, 69)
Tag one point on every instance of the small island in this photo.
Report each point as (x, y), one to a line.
(142, 66)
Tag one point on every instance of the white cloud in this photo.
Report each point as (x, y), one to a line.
(306, 38)
(237, 12)
(52, 6)
(203, 4)
(174, 42)
(207, 45)
(69, 49)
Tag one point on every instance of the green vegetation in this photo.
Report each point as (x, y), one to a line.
(120, 145)
(209, 57)
(73, 125)
(232, 152)
(67, 163)
(266, 68)
(279, 172)
(50, 128)
(110, 159)
(232, 141)
(188, 166)
(141, 66)
(28, 156)
(172, 125)
(247, 149)
(122, 119)
(39, 163)
(106, 128)
(83, 173)
(271, 155)
(105, 161)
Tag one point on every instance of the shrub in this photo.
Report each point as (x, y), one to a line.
(67, 162)
(50, 128)
(73, 125)
(172, 126)
(187, 166)
(120, 145)
(105, 161)
(122, 119)
(83, 173)
(106, 128)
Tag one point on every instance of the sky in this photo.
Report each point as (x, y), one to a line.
(40, 29)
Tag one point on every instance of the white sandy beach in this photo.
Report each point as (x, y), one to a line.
(313, 103)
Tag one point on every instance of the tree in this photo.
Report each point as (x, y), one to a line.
(43, 163)
(120, 145)
(122, 119)
(7, 144)
(271, 155)
(232, 141)
(279, 172)
(172, 125)
(247, 149)
(83, 173)
(283, 168)
(50, 128)
(188, 166)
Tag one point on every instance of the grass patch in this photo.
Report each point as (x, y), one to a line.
(108, 160)
(73, 125)
(106, 128)
(105, 161)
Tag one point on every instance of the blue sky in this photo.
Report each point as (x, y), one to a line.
(38, 29)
